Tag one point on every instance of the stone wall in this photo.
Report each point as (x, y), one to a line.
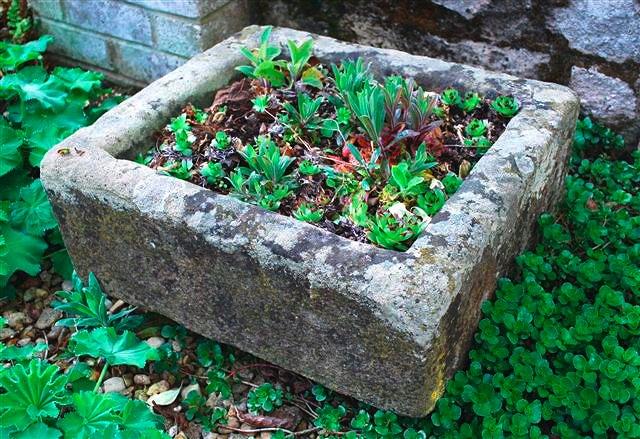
(591, 45)
(137, 41)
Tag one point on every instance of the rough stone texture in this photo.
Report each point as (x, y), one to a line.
(84, 46)
(518, 62)
(540, 39)
(467, 8)
(386, 327)
(111, 17)
(609, 29)
(611, 98)
(137, 41)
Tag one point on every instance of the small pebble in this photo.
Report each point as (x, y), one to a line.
(159, 387)
(246, 374)
(23, 341)
(55, 332)
(29, 295)
(67, 285)
(7, 333)
(15, 320)
(48, 317)
(141, 380)
(265, 435)
(214, 400)
(113, 384)
(181, 435)
(128, 379)
(155, 342)
(41, 293)
(239, 388)
(141, 395)
(45, 276)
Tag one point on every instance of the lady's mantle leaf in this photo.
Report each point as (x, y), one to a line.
(32, 212)
(116, 349)
(10, 155)
(137, 416)
(40, 431)
(20, 252)
(31, 393)
(93, 412)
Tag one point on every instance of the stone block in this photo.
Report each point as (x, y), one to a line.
(467, 8)
(609, 100)
(142, 63)
(386, 327)
(77, 44)
(47, 8)
(184, 8)
(186, 37)
(111, 17)
(609, 29)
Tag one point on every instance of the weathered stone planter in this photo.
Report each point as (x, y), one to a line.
(383, 326)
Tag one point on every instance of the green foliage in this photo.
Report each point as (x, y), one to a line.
(591, 134)
(329, 417)
(213, 172)
(19, 24)
(222, 140)
(451, 183)
(470, 102)
(351, 77)
(261, 103)
(182, 131)
(407, 183)
(87, 307)
(109, 415)
(389, 232)
(476, 128)
(304, 212)
(31, 393)
(305, 115)
(300, 55)
(556, 353)
(41, 109)
(114, 348)
(263, 61)
(367, 105)
(13, 56)
(267, 160)
(209, 353)
(506, 106)
(320, 393)
(198, 411)
(305, 167)
(450, 97)
(264, 398)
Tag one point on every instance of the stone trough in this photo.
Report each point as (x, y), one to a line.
(383, 326)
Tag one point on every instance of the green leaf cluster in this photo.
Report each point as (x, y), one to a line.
(41, 109)
(557, 353)
(264, 398)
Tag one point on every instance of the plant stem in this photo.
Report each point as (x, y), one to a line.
(101, 377)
